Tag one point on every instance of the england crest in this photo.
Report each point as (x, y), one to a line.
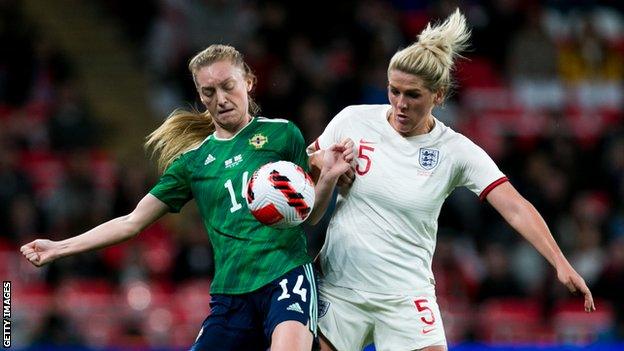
(323, 306)
(428, 158)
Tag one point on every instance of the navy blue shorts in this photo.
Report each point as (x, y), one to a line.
(247, 321)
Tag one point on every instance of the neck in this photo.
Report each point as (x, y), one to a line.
(423, 127)
(227, 132)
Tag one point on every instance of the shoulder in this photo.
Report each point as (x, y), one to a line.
(363, 110)
(360, 114)
(275, 125)
(261, 119)
(462, 149)
(452, 139)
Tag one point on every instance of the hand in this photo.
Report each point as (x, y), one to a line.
(40, 251)
(573, 281)
(336, 160)
(347, 178)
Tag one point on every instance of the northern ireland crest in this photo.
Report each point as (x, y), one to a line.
(428, 158)
(258, 141)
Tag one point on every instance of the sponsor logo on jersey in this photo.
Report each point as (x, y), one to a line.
(428, 158)
(295, 307)
(323, 307)
(426, 330)
(364, 141)
(233, 161)
(258, 140)
(209, 159)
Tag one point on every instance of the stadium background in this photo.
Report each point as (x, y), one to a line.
(82, 83)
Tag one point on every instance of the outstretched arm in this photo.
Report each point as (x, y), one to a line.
(524, 218)
(148, 210)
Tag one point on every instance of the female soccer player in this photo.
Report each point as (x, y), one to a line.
(263, 291)
(378, 285)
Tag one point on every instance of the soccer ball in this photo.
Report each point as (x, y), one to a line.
(280, 194)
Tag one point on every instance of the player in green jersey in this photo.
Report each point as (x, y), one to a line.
(263, 291)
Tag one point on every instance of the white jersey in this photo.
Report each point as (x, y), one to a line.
(382, 235)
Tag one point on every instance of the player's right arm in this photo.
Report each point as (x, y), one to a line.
(147, 211)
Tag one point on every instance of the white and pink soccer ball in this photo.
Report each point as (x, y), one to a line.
(280, 194)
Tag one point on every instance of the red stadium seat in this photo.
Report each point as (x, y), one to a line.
(457, 316)
(192, 303)
(46, 170)
(31, 303)
(510, 321)
(575, 326)
(91, 305)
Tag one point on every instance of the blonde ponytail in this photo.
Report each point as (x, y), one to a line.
(432, 56)
(182, 130)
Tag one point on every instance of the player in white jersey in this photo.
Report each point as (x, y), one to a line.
(378, 284)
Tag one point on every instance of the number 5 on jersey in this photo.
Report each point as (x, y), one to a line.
(364, 153)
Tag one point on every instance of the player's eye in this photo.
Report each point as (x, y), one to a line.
(208, 92)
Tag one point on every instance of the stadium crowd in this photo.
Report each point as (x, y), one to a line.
(541, 91)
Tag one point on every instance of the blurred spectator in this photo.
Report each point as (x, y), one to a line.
(71, 125)
(15, 186)
(16, 68)
(610, 284)
(542, 90)
(457, 268)
(532, 64)
(193, 258)
(588, 56)
(499, 280)
(57, 331)
(532, 53)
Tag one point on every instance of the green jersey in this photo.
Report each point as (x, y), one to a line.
(247, 254)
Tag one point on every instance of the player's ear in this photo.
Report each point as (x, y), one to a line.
(250, 84)
(438, 97)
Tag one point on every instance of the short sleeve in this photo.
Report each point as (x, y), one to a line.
(478, 172)
(298, 153)
(173, 187)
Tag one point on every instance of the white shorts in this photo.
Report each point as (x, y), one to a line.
(351, 319)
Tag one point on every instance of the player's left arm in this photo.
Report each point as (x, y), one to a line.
(335, 161)
(524, 218)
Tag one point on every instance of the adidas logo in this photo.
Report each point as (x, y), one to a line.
(209, 159)
(295, 307)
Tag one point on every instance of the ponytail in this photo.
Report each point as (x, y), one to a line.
(182, 131)
(432, 56)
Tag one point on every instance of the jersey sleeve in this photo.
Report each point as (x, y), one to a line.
(478, 172)
(173, 187)
(298, 153)
(333, 133)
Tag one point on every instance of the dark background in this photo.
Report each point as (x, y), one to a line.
(82, 83)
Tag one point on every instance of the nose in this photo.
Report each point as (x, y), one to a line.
(221, 99)
(401, 103)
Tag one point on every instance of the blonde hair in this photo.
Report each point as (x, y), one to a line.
(431, 57)
(184, 130)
